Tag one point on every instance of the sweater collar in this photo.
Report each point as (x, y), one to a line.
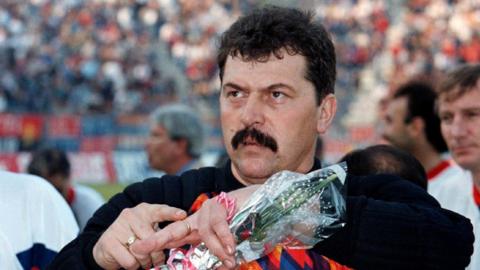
(231, 183)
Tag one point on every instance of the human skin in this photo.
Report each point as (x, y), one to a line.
(275, 98)
(460, 122)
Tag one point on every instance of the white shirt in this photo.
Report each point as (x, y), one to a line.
(453, 188)
(36, 221)
(472, 211)
(85, 202)
(446, 182)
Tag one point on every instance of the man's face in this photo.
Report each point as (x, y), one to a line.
(395, 130)
(460, 123)
(160, 148)
(269, 110)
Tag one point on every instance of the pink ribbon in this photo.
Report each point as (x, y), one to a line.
(228, 203)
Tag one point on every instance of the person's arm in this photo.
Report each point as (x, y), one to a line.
(78, 254)
(208, 225)
(392, 224)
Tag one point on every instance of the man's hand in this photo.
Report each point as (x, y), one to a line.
(209, 225)
(115, 250)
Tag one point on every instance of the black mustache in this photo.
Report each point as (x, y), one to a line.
(255, 134)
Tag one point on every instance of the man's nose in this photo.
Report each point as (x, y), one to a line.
(458, 127)
(252, 112)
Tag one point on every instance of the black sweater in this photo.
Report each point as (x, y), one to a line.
(391, 223)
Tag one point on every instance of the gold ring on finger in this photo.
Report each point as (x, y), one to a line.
(130, 241)
(189, 228)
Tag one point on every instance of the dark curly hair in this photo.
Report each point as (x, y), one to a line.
(268, 30)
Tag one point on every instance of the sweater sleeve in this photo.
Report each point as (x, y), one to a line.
(392, 224)
(78, 253)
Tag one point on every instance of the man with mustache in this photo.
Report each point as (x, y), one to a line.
(277, 73)
(252, 136)
(459, 110)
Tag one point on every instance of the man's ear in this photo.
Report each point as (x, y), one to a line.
(182, 146)
(416, 127)
(326, 112)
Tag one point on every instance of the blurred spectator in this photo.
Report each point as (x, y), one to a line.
(412, 125)
(385, 159)
(405, 39)
(107, 56)
(459, 110)
(36, 222)
(176, 139)
(85, 56)
(118, 57)
(53, 165)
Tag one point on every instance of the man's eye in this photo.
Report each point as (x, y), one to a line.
(473, 114)
(277, 94)
(445, 118)
(233, 94)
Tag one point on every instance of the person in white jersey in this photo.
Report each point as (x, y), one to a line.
(458, 107)
(412, 125)
(36, 222)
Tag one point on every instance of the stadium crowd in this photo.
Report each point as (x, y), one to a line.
(119, 57)
(103, 56)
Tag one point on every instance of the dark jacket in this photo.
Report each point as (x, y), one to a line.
(391, 223)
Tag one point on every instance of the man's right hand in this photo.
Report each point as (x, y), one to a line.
(112, 250)
(209, 225)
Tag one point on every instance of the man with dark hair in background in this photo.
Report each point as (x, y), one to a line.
(54, 166)
(412, 125)
(277, 74)
(458, 106)
(176, 139)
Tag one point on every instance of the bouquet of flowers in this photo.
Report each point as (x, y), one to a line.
(290, 209)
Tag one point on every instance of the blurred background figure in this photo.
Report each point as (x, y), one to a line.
(380, 159)
(412, 125)
(35, 224)
(91, 72)
(459, 110)
(54, 166)
(176, 139)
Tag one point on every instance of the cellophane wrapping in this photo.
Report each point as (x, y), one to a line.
(290, 209)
